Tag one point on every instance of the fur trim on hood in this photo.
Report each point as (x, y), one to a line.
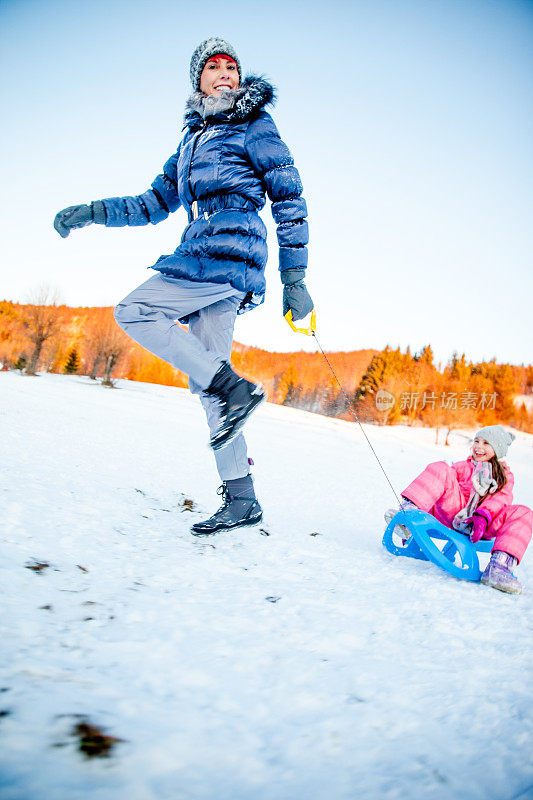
(234, 105)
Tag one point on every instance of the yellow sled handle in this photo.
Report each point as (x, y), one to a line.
(308, 331)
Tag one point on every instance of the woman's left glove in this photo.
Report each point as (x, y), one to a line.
(73, 217)
(480, 521)
(296, 298)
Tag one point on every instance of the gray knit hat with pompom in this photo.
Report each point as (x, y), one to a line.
(498, 438)
(206, 50)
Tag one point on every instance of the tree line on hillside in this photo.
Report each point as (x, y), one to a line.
(383, 387)
(57, 338)
(401, 387)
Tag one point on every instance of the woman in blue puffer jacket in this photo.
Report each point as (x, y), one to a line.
(230, 156)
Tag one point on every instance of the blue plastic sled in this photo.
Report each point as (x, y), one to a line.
(424, 529)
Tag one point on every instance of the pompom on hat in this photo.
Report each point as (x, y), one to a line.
(499, 439)
(206, 50)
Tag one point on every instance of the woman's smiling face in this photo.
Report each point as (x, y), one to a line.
(482, 450)
(218, 74)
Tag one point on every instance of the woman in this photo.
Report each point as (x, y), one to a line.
(230, 155)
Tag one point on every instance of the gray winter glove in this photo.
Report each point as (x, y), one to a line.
(296, 298)
(73, 217)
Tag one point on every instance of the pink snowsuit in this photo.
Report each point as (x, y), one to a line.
(443, 491)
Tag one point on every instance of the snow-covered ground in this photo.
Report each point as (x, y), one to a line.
(303, 664)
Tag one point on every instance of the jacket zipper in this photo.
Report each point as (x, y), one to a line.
(202, 129)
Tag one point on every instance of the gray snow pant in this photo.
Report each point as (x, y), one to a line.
(149, 314)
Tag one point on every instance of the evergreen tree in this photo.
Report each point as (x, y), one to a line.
(288, 391)
(529, 379)
(73, 363)
(505, 386)
(458, 368)
(384, 365)
(373, 377)
(522, 419)
(333, 403)
(426, 355)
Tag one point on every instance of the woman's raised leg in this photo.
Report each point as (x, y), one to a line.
(149, 314)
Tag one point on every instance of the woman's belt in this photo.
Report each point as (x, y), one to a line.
(206, 207)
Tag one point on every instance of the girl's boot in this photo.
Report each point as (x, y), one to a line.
(498, 573)
(400, 530)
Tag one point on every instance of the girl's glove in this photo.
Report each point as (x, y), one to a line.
(73, 217)
(296, 298)
(480, 521)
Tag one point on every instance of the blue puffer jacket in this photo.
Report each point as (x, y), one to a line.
(220, 173)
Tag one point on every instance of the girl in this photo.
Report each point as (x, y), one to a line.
(475, 496)
(230, 156)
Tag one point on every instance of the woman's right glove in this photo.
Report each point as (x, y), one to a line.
(296, 298)
(73, 217)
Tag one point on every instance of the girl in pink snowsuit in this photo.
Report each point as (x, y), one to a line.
(476, 497)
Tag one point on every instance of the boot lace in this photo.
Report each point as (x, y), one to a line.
(223, 491)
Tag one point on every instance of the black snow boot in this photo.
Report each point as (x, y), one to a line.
(238, 398)
(235, 512)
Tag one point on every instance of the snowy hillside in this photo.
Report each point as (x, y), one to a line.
(293, 661)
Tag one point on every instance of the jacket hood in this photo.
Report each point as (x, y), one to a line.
(237, 105)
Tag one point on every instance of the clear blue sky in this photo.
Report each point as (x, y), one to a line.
(411, 124)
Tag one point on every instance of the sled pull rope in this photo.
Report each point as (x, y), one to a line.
(352, 409)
